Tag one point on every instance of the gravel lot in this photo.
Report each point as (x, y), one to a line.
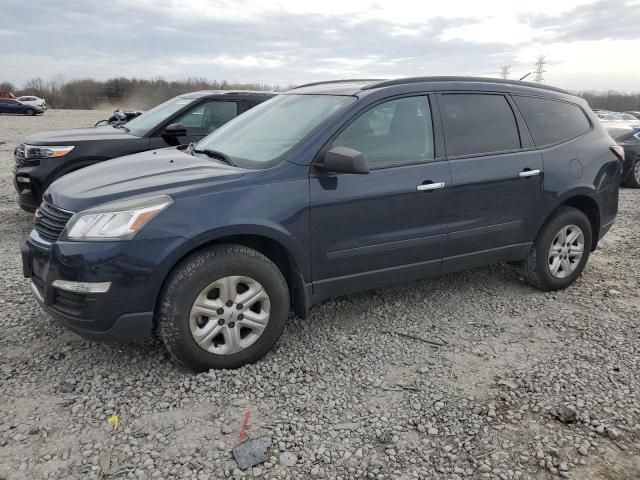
(525, 385)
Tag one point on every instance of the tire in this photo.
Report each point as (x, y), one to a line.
(537, 270)
(633, 176)
(31, 112)
(190, 280)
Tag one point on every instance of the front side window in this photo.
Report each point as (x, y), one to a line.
(478, 124)
(208, 117)
(393, 133)
(260, 137)
(149, 120)
(551, 121)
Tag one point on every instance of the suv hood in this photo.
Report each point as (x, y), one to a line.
(166, 171)
(66, 137)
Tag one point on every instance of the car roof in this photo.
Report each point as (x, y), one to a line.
(243, 94)
(357, 86)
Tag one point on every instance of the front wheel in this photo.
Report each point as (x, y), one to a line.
(223, 307)
(31, 112)
(560, 252)
(633, 177)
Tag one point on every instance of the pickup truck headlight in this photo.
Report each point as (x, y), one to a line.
(115, 221)
(45, 151)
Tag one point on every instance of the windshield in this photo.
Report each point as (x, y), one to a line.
(260, 137)
(141, 125)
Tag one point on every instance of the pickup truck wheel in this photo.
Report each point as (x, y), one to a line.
(223, 307)
(633, 177)
(560, 252)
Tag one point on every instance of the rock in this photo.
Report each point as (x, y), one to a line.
(484, 468)
(432, 431)
(564, 414)
(67, 387)
(583, 450)
(613, 433)
(226, 429)
(288, 459)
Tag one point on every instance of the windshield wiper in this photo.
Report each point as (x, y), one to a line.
(123, 128)
(216, 154)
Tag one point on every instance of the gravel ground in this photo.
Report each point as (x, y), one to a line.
(522, 384)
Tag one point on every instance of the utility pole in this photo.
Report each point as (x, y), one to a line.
(539, 78)
(504, 71)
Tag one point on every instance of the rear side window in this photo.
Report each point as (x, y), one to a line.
(478, 123)
(551, 121)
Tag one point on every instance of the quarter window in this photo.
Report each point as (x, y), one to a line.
(551, 121)
(478, 123)
(393, 133)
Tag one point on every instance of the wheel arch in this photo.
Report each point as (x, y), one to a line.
(269, 244)
(587, 204)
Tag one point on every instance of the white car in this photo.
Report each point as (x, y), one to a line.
(36, 101)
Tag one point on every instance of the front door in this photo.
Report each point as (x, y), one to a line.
(390, 224)
(200, 122)
(496, 180)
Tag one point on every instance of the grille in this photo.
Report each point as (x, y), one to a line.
(50, 221)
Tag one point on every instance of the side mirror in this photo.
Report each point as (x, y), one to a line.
(343, 159)
(175, 130)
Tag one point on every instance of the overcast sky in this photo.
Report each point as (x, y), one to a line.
(588, 44)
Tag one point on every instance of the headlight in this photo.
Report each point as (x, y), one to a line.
(115, 221)
(44, 151)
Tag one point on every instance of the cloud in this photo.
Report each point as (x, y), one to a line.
(604, 19)
(248, 41)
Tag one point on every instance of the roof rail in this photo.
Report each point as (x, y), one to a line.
(403, 81)
(348, 80)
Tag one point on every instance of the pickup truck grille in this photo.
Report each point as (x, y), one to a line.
(50, 221)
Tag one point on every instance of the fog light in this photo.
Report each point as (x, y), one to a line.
(23, 180)
(82, 287)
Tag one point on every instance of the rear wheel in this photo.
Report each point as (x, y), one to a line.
(560, 252)
(223, 307)
(633, 177)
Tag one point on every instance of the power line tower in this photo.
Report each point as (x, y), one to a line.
(539, 72)
(504, 71)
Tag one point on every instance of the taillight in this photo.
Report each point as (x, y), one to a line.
(619, 151)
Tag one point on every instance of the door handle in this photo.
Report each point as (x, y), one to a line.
(529, 173)
(426, 187)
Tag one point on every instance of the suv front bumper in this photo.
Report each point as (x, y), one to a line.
(125, 312)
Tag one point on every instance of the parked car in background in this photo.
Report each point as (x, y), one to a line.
(7, 95)
(613, 119)
(45, 157)
(35, 101)
(328, 189)
(634, 113)
(630, 141)
(9, 105)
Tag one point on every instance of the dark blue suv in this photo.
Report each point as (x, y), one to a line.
(327, 189)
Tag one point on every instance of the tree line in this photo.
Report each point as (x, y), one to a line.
(143, 94)
(135, 93)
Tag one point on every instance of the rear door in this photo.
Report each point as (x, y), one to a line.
(390, 224)
(496, 179)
